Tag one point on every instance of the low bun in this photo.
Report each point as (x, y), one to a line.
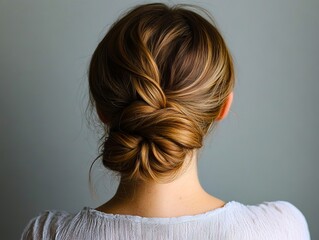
(148, 143)
(158, 80)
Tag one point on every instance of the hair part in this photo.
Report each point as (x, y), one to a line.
(158, 79)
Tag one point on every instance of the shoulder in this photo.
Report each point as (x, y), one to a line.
(271, 220)
(46, 225)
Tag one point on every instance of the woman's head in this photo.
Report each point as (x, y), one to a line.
(159, 80)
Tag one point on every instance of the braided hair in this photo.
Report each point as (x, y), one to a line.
(158, 79)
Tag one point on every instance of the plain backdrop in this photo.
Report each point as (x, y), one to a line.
(266, 150)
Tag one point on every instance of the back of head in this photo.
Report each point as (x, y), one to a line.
(158, 80)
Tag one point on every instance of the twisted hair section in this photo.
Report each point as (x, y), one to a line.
(158, 79)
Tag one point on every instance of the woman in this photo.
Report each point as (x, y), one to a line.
(161, 78)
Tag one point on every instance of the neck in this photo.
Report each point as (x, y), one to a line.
(183, 196)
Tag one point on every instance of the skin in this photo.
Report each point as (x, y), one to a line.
(183, 196)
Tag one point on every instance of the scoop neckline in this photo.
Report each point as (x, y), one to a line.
(176, 219)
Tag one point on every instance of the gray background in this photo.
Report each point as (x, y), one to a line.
(267, 149)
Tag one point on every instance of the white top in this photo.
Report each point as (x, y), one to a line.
(268, 220)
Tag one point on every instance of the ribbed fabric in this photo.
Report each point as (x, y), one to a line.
(269, 220)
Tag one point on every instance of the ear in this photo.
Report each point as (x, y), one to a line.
(225, 108)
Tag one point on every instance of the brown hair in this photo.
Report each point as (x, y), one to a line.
(158, 79)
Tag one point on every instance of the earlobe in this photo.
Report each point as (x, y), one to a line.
(226, 107)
